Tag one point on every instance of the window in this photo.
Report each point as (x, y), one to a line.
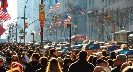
(131, 18)
(89, 2)
(92, 1)
(102, 9)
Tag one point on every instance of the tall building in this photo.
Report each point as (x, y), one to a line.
(31, 13)
(94, 9)
(69, 7)
(123, 13)
(127, 4)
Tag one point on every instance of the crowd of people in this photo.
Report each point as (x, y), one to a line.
(29, 58)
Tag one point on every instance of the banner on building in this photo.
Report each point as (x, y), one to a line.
(42, 12)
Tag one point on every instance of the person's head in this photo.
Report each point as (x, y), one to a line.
(1, 62)
(120, 59)
(99, 69)
(83, 55)
(44, 61)
(53, 65)
(16, 67)
(15, 58)
(53, 51)
(110, 62)
(113, 55)
(23, 60)
(124, 65)
(35, 57)
(104, 52)
(100, 62)
(128, 69)
(67, 62)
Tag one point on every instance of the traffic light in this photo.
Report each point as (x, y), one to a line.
(53, 18)
(25, 25)
(56, 19)
(106, 17)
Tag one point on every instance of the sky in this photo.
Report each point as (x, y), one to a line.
(12, 10)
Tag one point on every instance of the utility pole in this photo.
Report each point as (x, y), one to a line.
(16, 31)
(41, 19)
(24, 23)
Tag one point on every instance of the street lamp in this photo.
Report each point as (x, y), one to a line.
(33, 33)
(16, 26)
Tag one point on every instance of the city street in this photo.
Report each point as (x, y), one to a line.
(66, 36)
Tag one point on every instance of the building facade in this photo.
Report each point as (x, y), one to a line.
(31, 15)
(120, 17)
(94, 11)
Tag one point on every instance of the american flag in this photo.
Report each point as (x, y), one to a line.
(65, 21)
(80, 10)
(50, 8)
(69, 18)
(4, 15)
(57, 6)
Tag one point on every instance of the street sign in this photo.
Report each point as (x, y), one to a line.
(68, 25)
(42, 12)
(41, 8)
(21, 31)
(42, 17)
(41, 24)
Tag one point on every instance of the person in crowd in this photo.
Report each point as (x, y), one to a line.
(113, 55)
(2, 68)
(8, 57)
(110, 63)
(94, 60)
(81, 65)
(104, 64)
(16, 67)
(53, 53)
(15, 58)
(100, 62)
(124, 65)
(34, 64)
(130, 63)
(60, 60)
(24, 62)
(120, 59)
(99, 69)
(73, 57)
(128, 69)
(90, 59)
(67, 63)
(44, 63)
(53, 66)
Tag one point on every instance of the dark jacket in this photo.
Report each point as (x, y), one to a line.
(81, 66)
(116, 69)
(42, 69)
(2, 69)
(33, 66)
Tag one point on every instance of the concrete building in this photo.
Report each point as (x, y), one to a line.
(103, 6)
(78, 20)
(121, 4)
(93, 7)
(126, 8)
(32, 14)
